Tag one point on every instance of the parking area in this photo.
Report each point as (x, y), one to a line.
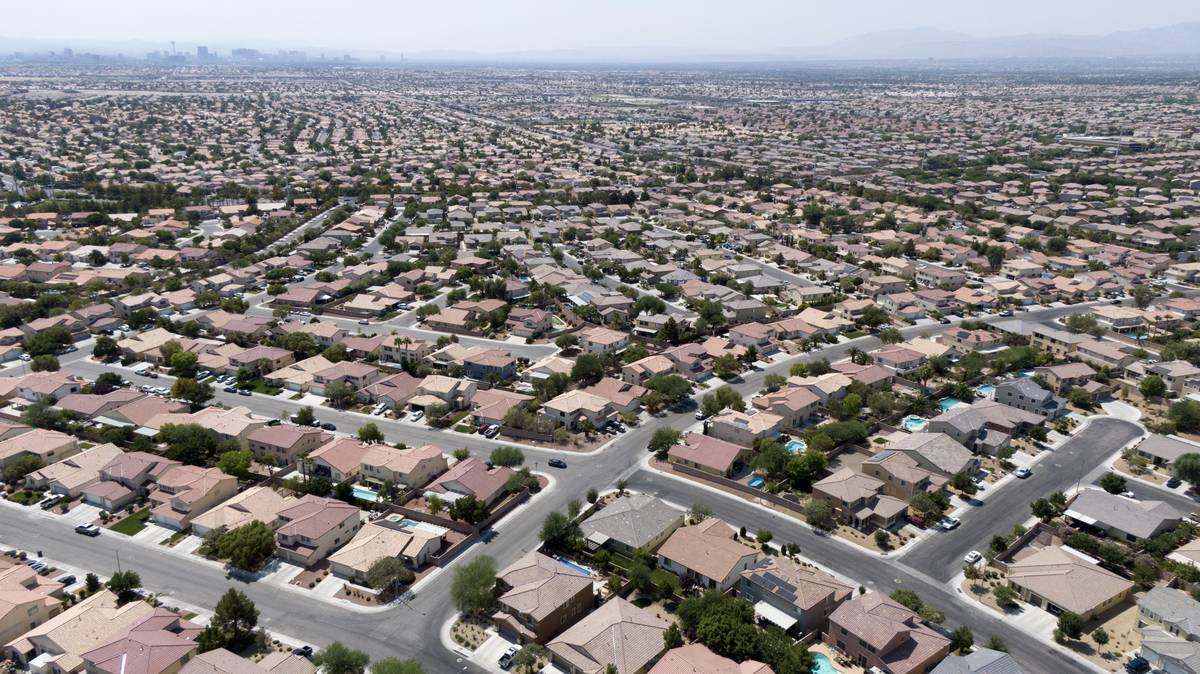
(82, 514)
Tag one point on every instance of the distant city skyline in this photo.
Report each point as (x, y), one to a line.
(507, 27)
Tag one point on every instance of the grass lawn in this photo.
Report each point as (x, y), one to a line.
(25, 497)
(132, 524)
(261, 386)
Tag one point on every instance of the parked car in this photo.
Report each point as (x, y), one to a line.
(303, 651)
(66, 579)
(416, 416)
(1137, 665)
(506, 657)
(328, 426)
(50, 502)
(243, 391)
(557, 463)
(1022, 472)
(230, 389)
(949, 523)
(1173, 483)
(973, 557)
(491, 431)
(363, 321)
(88, 530)
(1129, 494)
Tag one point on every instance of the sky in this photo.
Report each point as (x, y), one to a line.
(516, 26)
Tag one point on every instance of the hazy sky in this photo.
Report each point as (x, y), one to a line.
(497, 26)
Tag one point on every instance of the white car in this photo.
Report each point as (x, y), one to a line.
(416, 416)
(973, 557)
(1022, 472)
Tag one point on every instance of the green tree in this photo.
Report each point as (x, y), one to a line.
(472, 589)
(106, 349)
(672, 637)
(336, 658)
(235, 462)
(469, 509)
(107, 382)
(124, 584)
(370, 434)
(1005, 596)
(567, 341)
(340, 394)
(44, 363)
(1070, 624)
(726, 366)
(805, 468)
(1187, 468)
(1142, 296)
(388, 574)
(188, 443)
(961, 640)
(560, 532)
(397, 666)
(183, 364)
(305, 417)
(508, 457)
(20, 467)
(232, 625)
(588, 369)
(196, 393)
(248, 546)
(1112, 483)
(664, 439)
(818, 514)
(1153, 386)
(927, 506)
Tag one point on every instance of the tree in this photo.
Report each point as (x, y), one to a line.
(106, 349)
(125, 585)
(672, 637)
(469, 509)
(1087, 323)
(995, 643)
(183, 364)
(890, 336)
(232, 625)
(1100, 636)
(305, 417)
(188, 443)
(340, 394)
(44, 363)
(387, 574)
(588, 369)
(663, 439)
(1112, 483)
(928, 507)
(1187, 468)
(107, 382)
(1005, 596)
(196, 393)
(804, 468)
(1153, 386)
(1142, 296)
(236, 462)
(559, 532)
(818, 514)
(567, 341)
(370, 434)
(397, 666)
(247, 546)
(21, 466)
(726, 366)
(507, 457)
(471, 590)
(962, 639)
(771, 458)
(1185, 414)
(91, 583)
(1070, 624)
(338, 659)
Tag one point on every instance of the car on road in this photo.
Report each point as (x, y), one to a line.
(328, 426)
(972, 557)
(243, 391)
(700, 415)
(557, 463)
(1129, 494)
(949, 523)
(506, 657)
(1006, 313)
(88, 530)
(1022, 472)
(363, 321)
(945, 321)
(1173, 483)
(230, 389)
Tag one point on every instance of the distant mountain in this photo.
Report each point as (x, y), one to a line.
(1179, 39)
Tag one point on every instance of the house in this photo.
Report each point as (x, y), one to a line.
(602, 340)
(374, 541)
(160, 643)
(984, 425)
(1104, 353)
(41, 386)
(796, 597)
(308, 530)
(1174, 611)
(472, 477)
(618, 634)
(1025, 394)
(283, 444)
(874, 631)
(1059, 579)
(437, 389)
(706, 554)
(393, 390)
(411, 467)
(935, 452)
(124, 478)
(221, 661)
(708, 454)
(898, 358)
(795, 405)
(1162, 450)
(46, 445)
(631, 522)
(622, 396)
(900, 475)
(1166, 653)
(528, 323)
(1122, 518)
(70, 476)
(90, 406)
(489, 365)
(934, 276)
(979, 661)
(1066, 376)
(492, 405)
(184, 492)
(27, 600)
(260, 503)
(298, 376)
(696, 658)
(349, 373)
(1180, 376)
(573, 407)
(539, 597)
(60, 642)
(260, 359)
(743, 428)
(857, 500)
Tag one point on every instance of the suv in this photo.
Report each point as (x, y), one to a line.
(88, 530)
(491, 431)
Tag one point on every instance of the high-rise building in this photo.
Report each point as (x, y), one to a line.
(201, 53)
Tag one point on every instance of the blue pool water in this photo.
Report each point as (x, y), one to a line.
(985, 390)
(913, 423)
(794, 446)
(364, 494)
(947, 403)
(822, 665)
(408, 523)
(756, 482)
(1025, 374)
(574, 566)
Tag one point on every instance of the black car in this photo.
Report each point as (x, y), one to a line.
(1137, 665)
(1173, 482)
(557, 463)
(303, 651)
(328, 426)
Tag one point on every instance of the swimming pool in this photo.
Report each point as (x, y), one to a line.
(1025, 374)
(947, 403)
(794, 446)
(913, 423)
(584, 570)
(364, 494)
(756, 482)
(985, 390)
(822, 665)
